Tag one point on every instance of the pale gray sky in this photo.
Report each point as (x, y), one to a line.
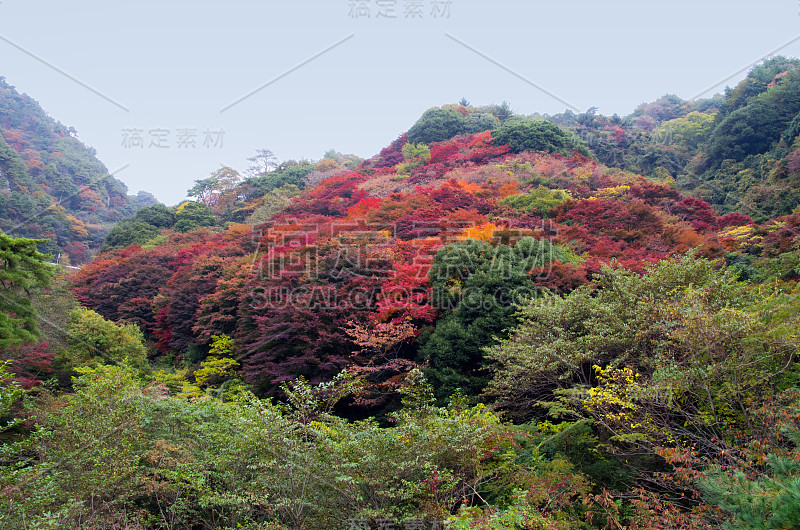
(175, 64)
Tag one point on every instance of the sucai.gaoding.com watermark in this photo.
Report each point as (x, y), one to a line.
(297, 254)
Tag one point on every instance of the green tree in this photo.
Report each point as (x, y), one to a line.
(693, 332)
(502, 112)
(689, 131)
(769, 500)
(13, 167)
(157, 215)
(219, 367)
(416, 152)
(131, 232)
(756, 126)
(93, 340)
(477, 286)
(27, 492)
(290, 175)
(94, 444)
(10, 393)
(476, 123)
(22, 270)
(414, 155)
(193, 215)
(541, 199)
(537, 135)
(437, 125)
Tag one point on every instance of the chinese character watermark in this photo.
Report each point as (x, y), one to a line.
(359, 8)
(393, 9)
(187, 138)
(132, 138)
(213, 138)
(414, 9)
(386, 8)
(161, 138)
(441, 8)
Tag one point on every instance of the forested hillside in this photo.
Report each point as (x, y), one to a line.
(52, 186)
(498, 321)
(739, 151)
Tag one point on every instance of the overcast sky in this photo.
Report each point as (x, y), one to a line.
(157, 86)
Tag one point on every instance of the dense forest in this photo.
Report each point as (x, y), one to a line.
(737, 151)
(52, 186)
(498, 321)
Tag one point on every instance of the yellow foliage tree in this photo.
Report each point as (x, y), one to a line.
(482, 232)
(217, 368)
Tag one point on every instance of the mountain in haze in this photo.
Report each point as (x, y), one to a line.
(52, 186)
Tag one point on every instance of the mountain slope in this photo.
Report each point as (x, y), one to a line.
(739, 151)
(613, 352)
(415, 257)
(51, 185)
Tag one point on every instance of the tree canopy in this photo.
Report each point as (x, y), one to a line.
(22, 270)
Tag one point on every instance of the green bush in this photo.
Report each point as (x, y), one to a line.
(537, 135)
